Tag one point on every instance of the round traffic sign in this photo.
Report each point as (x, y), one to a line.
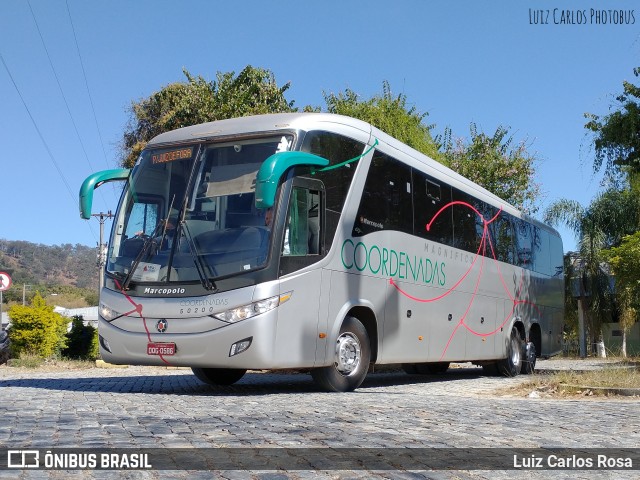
(5, 281)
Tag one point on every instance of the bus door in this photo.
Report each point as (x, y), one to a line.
(301, 239)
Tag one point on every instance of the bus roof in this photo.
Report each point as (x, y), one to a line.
(257, 123)
(307, 121)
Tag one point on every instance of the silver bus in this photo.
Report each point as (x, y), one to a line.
(317, 242)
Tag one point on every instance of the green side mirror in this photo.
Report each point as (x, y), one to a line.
(94, 181)
(273, 168)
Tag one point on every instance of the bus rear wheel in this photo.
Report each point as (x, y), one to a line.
(529, 360)
(218, 376)
(511, 366)
(351, 356)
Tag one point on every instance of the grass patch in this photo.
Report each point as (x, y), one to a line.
(71, 364)
(26, 360)
(29, 360)
(603, 381)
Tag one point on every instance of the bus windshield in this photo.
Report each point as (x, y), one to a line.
(189, 214)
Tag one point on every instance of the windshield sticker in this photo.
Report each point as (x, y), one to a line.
(146, 272)
(232, 180)
(182, 154)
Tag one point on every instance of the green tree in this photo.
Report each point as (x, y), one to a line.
(617, 136)
(82, 341)
(610, 215)
(37, 329)
(615, 212)
(389, 113)
(253, 91)
(505, 169)
(492, 162)
(624, 261)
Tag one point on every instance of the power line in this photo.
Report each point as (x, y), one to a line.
(44, 142)
(87, 85)
(86, 156)
(75, 127)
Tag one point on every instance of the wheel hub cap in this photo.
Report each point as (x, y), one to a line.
(347, 354)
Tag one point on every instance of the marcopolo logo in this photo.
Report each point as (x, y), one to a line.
(392, 263)
(366, 221)
(164, 291)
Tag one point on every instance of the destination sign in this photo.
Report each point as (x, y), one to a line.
(172, 155)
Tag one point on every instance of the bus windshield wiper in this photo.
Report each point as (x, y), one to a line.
(182, 226)
(197, 259)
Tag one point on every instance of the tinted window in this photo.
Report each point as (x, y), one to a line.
(556, 264)
(467, 225)
(386, 202)
(501, 235)
(542, 253)
(524, 243)
(336, 149)
(302, 231)
(429, 197)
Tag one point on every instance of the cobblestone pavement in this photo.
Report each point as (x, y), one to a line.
(149, 407)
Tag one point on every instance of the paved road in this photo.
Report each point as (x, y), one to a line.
(145, 407)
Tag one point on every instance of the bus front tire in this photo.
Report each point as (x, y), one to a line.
(511, 366)
(351, 358)
(218, 376)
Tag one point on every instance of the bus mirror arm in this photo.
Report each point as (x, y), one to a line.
(94, 181)
(274, 167)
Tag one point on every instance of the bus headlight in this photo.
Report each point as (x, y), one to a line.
(108, 313)
(251, 310)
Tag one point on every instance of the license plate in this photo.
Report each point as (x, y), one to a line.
(161, 348)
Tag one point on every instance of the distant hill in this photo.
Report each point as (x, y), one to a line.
(37, 264)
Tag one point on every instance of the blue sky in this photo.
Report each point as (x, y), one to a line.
(461, 61)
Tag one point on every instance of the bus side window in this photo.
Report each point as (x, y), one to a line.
(501, 236)
(465, 219)
(524, 244)
(556, 259)
(302, 230)
(429, 197)
(542, 255)
(386, 202)
(143, 219)
(336, 148)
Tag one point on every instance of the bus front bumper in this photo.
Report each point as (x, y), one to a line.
(215, 348)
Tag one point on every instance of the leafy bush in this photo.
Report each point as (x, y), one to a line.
(37, 329)
(4, 347)
(82, 341)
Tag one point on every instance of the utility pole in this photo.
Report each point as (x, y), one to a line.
(102, 247)
(24, 291)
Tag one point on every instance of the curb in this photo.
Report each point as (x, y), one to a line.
(103, 364)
